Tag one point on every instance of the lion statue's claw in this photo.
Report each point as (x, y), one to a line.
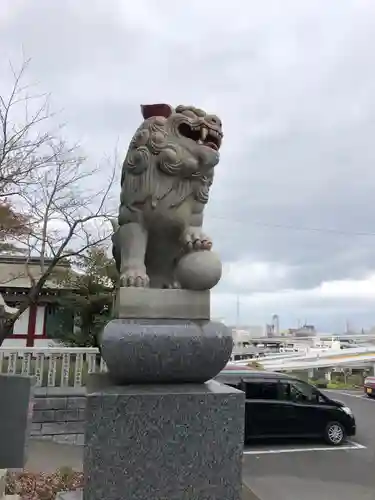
(135, 278)
(194, 239)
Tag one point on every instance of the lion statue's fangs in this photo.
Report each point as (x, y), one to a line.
(165, 183)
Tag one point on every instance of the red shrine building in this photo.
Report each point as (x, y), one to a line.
(34, 326)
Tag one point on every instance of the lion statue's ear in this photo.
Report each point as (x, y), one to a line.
(149, 110)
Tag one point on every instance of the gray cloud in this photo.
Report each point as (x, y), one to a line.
(292, 81)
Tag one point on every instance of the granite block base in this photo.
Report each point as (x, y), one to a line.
(165, 351)
(175, 442)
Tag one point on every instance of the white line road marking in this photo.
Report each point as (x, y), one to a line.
(359, 396)
(350, 446)
(358, 446)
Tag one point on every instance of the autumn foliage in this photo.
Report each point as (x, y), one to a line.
(13, 226)
(43, 486)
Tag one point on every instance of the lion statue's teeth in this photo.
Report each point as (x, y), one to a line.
(204, 133)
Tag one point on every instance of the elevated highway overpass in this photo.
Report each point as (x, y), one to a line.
(358, 338)
(296, 361)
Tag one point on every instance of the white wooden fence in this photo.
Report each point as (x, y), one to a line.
(52, 366)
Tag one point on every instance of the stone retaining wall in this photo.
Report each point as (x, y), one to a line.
(59, 414)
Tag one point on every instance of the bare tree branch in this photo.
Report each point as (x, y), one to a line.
(68, 216)
(22, 141)
(54, 185)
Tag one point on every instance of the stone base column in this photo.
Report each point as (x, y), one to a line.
(175, 442)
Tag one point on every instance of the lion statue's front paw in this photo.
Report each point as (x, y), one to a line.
(135, 277)
(194, 239)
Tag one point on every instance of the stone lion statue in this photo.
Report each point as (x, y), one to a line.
(165, 183)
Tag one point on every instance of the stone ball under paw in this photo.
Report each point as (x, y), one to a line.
(200, 270)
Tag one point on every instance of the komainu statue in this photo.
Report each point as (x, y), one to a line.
(165, 183)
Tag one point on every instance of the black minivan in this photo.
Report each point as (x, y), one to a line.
(281, 406)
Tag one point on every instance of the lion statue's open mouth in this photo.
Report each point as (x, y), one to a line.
(201, 134)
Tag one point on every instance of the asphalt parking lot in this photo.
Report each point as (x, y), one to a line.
(314, 471)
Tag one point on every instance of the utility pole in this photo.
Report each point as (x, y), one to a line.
(347, 328)
(238, 312)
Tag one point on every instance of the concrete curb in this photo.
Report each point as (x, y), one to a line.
(247, 494)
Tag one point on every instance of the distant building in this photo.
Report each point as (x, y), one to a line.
(242, 341)
(276, 325)
(244, 334)
(303, 331)
(34, 325)
(270, 331)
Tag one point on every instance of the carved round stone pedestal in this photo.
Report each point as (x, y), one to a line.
(165, 351)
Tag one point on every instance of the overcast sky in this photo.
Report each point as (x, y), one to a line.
(291, 211)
